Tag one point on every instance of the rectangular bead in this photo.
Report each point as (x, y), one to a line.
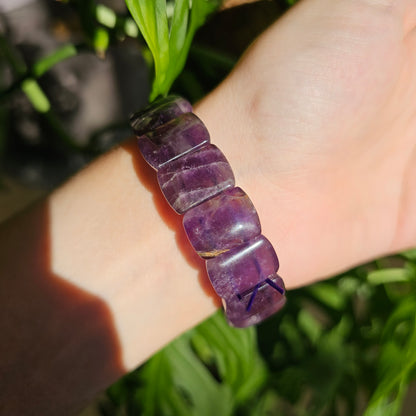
(195, 177)
(221, 223)
(158, 112)
(240, 272)
(251, 310)
(173, 139)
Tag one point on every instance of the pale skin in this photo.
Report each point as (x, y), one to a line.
(318, 121)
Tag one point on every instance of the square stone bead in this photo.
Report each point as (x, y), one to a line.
(158, 112)
(251, 310)
(195, 177)
(240, 269)
(221, 223)
(173, 139)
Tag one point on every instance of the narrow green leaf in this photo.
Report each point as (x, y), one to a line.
(206, 395)
(392, 275)
(152, 21)
(44, 64)
(158, 380)
(397, 361)
(142, 13)
(169, 46)
(35, 95)
(178, 28)
(176, 382)
(235, 353)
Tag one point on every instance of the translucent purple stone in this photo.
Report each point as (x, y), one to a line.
(173, 139)
(221, 223)
(242, 268)
(220, 220)
(251, 310)
(159, 112)
(246, 278)
(195, 177)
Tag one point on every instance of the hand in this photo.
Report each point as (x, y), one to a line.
(326, 118)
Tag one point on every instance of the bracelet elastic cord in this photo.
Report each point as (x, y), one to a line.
(219, 218)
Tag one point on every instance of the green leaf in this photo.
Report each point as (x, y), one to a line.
(397, 361)
(179, 27)
(209, 370)
(310, 326)
(392, 275)
(235, 353)
(290, 331)
(329, 295)
(44, 64)
(152, 21)
(36, 95)
(157, 396)
(334, 360)
(410, 254)
(178, 383)
(101, 40)
(105, 15)
(204, 393)
(169, 44)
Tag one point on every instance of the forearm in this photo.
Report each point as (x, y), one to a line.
(93, 282)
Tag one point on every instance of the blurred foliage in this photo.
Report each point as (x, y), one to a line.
(210, 370)
(101, 27)
(343, 347)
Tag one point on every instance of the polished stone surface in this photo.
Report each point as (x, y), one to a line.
(195, 177)
(242, 268)
(242, 271)
(252, 309)
(158, 112)
(221, 223)
(173, 139)
(220, 220)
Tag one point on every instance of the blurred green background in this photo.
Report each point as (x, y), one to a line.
(71, 73)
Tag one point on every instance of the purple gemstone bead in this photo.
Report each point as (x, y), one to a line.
(221, 223)
(159, 112)
(256, 305)
(241, 268)
(246, 278)
(173, 139)
(195, 177)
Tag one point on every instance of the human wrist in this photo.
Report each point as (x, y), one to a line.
(219, 218)
(129, 252)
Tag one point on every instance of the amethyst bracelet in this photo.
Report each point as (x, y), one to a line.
(219, 218)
